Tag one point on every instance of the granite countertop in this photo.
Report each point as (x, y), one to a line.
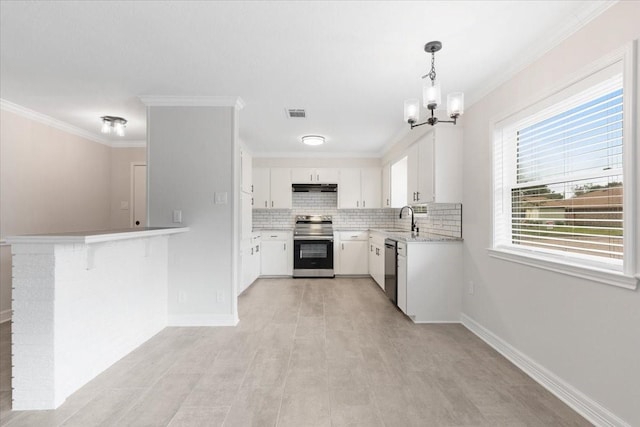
(409, 237)
(96, 236)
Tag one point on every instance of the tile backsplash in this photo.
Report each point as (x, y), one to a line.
(441, 218)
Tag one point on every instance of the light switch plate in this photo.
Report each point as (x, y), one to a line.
(221, 198)
(124, 205)
(177, 216)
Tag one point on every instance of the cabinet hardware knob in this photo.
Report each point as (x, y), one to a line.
(272, 203)
(418, 196)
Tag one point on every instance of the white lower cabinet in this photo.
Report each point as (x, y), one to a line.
(250, 261)
(430, 281)
(276, 253)
(402, 276)
(376, 258)
(353, 252)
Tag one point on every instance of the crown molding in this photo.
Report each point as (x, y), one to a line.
(553, 39)
(302, 155)
(192, 101)
(129, 144)
(50, 121)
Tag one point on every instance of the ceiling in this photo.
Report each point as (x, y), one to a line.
(350, 65)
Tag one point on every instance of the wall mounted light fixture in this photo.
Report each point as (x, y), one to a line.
(113, 124)
(432, 96)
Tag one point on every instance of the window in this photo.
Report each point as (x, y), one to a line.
(559, 178)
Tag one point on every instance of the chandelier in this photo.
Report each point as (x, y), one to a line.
(113, 124)
(432, 96)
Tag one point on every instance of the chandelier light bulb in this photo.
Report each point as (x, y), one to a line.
(455, 104)
(411, 110)
(431, 94)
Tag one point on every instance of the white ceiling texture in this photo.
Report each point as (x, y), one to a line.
(350, 65)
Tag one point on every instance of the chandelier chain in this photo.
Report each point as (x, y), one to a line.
(432, 73)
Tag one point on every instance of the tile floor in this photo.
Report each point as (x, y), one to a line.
(321, 352)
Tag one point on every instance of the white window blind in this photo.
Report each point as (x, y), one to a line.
(559, 173)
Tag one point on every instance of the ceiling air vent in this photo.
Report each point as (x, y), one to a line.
(296, 113)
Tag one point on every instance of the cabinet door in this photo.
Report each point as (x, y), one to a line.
(273, 258)
(281, 188)
(402, 283)
(371, 188)
(354, 257)
(448, 166)
(379, 250)
(302, 175)
(412, 173)
(326, 176)
(386, 186)
(261, 188)
(426, 172)
(372, 261)
(349, 189)
(246, 162)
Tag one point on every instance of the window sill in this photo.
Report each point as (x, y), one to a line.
(595, 274)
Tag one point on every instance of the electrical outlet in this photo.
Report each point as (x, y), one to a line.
(182, 297)
(219, 296)
(472, 287)
(177, 216)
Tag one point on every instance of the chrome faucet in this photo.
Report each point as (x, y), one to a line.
(413, 222)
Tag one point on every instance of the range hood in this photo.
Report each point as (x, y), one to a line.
(314, 188)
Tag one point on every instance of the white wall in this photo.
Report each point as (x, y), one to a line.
(192, 154)
(585, 333)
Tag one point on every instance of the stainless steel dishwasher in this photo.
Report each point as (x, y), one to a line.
(391, 269)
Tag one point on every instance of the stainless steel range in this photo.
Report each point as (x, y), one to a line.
(313, 246)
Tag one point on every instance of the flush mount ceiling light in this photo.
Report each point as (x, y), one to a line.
(113, 124)
(313, 140)
(432, 97)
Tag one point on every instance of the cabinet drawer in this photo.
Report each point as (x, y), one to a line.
(402, 249)
(354, 235)
(275, 235)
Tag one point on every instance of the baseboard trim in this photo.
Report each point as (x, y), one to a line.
(439, 322)
(203, 320)
(578, 401)
(5, 315)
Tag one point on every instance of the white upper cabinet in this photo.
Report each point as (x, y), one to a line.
(261, 188)
(272, 188)
(314, 176)
(349, 192)
(386, 186)
(434, 167)
(371, 185)
(360, 188)
(246, 182)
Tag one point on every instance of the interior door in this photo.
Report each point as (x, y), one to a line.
(139, 196)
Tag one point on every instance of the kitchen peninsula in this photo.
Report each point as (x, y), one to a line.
(82, 301)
